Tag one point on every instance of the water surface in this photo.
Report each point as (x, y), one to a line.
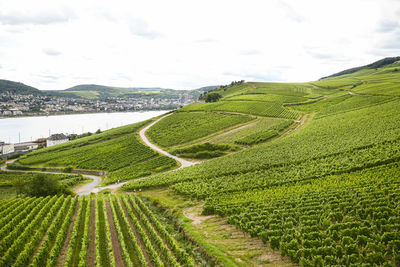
(13, 130)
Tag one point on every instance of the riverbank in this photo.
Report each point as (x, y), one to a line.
(76, 113)
(25, 129)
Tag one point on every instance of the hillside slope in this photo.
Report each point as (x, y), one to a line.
(324, 194)
(378, 64)
(310, 169)
(18, 88)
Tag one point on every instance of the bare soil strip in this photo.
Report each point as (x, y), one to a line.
(63, 253)
(139, 240)
(114, 238)
(91, 254)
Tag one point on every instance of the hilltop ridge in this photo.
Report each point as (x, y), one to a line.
(17, 87)
(377, 64)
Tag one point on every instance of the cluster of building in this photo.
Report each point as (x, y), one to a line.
(16, 105)
(24, 147)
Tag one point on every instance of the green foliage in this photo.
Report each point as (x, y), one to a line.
(203, 151)
(326, 194)
(19, 180)
(105, 151)
(279, 98)
(182, 127)
(151, 166)
(268, 109)
(212, 97)
(332, 144)
(18, 88)
(41, 185)
(138, 230)
(260, 124)
(377, 64)
(14, 156)
(262, 136)
(365, 200)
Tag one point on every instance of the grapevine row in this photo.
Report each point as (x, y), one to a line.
(61, 235)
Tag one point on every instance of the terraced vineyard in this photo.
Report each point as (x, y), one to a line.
(117, 230)
(117, 151)
(343, 220)
(261, 108)
(183, 127)
(326, 194)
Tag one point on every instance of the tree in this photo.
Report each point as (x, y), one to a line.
(41, 185)
(212, 97)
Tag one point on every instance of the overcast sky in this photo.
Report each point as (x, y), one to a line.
(189, 44)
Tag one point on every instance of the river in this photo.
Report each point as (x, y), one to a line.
(23, 129)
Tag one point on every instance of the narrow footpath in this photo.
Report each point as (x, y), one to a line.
(184, 163)
(142, 134)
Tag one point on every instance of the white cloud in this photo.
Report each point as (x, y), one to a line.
(141, 28)
(34, 14)
(51, 52)
(188, 44)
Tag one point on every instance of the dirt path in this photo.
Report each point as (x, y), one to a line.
(232, 242)
(184, 163)
(114, 237)
(91, 254)
(142, 134)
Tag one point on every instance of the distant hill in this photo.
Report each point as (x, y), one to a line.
(375, 65)
(208, 88)
(93, 91)
(18, 88)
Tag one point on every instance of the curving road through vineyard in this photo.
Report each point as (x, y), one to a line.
(142, 134)
(93, 186)
(84, 190)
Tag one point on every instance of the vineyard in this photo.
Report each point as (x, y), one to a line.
(260, 124)
(117, 151)
(262, 136)
(183, 127)
(260, 108)
(327, 194)
(343, 220)
(320, 191)
(148, 167)
(117, 230)
(339, 143)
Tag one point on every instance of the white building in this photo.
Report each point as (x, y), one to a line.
(6, 148)
(26, 146)
(56, 139)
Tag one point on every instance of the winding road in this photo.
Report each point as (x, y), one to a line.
(184, 163)
(93, 186)
(82, 191)
(142, 134)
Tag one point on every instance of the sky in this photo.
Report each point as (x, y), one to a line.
(57, 44)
